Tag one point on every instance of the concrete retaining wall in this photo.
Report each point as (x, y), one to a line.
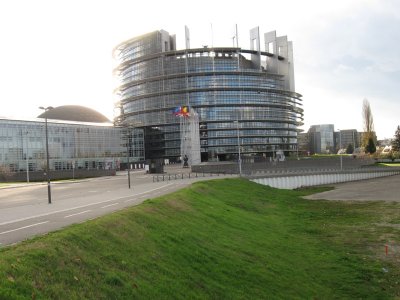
(297, 181)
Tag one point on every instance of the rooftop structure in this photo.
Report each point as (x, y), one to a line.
(74, 113)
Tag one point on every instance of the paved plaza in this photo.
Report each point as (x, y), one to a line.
(383, 188)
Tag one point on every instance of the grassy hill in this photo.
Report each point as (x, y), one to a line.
(221, 239)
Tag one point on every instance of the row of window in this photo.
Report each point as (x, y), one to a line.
(141, 47)
(92, 163)
(198, 82)
(66, 141)
(233, 141)
(209, 98)
(244, 126)
(221, 114)
(234, 133)
(170, 65)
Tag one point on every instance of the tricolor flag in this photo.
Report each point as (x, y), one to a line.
(185, 111)
(181, 111)
(177, 111)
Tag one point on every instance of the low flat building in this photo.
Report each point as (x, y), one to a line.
(86, 141)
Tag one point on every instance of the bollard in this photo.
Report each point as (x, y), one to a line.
(189, 175)
(163, 178)
(182, 175)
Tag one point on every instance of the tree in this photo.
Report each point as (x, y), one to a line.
(350, 149)
(369, 133)
(367, 117)
(396, 140)
(370, 147)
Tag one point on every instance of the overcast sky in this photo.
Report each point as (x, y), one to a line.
(56, 52)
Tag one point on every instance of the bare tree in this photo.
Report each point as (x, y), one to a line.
(369, 132)
(367, 118)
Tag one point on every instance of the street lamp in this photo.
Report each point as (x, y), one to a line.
(27, 156)
(130, 132)
(128, 144)
(129, 137)
(47, 152)
(238, 142)
(340, 148)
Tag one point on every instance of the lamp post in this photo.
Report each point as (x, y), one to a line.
(238, 142)
(47, 152)
(27, 157)
(340, 148)
(129, 137)
(128, 143)
(130, 132)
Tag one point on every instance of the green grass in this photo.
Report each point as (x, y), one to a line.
(221, 239)
(390, 164)
(319, 156)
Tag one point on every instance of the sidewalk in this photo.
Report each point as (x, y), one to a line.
(20, 184)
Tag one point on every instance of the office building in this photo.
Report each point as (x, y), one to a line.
(79, 138)
(321, 139)
(242, 96)
(345, 138)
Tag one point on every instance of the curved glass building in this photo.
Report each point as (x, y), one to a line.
(242, 97)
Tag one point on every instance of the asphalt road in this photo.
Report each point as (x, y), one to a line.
(25, 212)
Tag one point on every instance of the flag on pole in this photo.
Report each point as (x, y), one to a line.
(182, 111)
(185, 111)
(177, 110)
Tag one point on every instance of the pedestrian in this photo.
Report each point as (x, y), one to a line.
(185, 161)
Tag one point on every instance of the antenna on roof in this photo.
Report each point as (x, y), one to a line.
(235, 38)
(187, 37)
(212, 37)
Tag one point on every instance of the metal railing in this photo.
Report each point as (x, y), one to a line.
(177, 176)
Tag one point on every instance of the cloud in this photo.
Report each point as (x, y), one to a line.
(354, 55)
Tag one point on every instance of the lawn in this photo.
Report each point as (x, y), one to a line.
(390, 164)
(219, 239)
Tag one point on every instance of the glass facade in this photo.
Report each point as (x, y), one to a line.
(221, 84)
(71, 145)
(321, 138)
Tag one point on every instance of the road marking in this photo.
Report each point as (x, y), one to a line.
(36, 224)
(81, 206)
(79, 213)
(138, 195)
(110, 205)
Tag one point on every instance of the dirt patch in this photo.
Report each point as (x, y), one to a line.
(178, 204)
